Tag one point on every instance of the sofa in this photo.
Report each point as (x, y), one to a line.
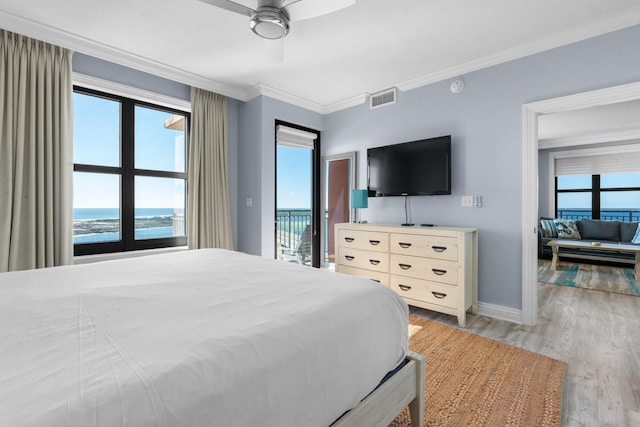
(590, 230)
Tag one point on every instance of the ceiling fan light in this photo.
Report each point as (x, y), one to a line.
(270, 23)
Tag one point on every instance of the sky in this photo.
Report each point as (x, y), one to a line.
(620, 200)
(96, 141)
(293, 177)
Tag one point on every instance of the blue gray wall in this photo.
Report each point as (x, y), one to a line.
(106, 70)
(256, 169)
(485, 122)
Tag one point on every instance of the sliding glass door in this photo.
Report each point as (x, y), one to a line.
(297, 225)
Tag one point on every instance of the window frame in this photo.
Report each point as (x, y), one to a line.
(596, 192)
(127, 173)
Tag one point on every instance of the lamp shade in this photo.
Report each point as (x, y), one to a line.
(359, 199)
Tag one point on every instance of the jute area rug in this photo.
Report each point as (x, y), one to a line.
(619, 280)
(475, 381)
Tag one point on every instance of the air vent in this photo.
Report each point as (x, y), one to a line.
(381, 99)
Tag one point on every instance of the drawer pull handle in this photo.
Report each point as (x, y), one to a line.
(439, 248)
(438, 271)
(375, 280)
(404, 245)
(439, 295)
(348, 239)
(349, 257)
(404, 287)
(374, 261)
(374, 242)
(404, 266)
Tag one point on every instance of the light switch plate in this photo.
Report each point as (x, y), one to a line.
(467, 201)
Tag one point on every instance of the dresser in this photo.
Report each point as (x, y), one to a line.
(430, 267)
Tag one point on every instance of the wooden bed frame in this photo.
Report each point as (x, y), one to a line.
(380, 408)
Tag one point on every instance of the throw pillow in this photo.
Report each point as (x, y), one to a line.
(636, 238)
(595, 229)
(627, 231)
(567, 229)
(548, 228)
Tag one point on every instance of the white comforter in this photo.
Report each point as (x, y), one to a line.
(194, 338)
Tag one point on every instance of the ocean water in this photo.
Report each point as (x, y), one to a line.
(86, 214)
(112, 213)
(621, 214)
(144, 233)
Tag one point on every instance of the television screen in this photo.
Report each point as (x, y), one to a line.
(411, 168)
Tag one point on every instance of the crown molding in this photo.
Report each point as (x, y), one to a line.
(118, 56)
(264, 90)
(347, 103)
(271, 92)
(614, 23)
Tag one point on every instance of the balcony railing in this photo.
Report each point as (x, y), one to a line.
(624, 215)
(290, 224)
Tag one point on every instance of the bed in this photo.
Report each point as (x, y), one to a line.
(202, 338)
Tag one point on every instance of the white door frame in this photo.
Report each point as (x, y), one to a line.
(352, 156)
(530, 113)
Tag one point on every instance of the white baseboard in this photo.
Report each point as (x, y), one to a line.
(500, 312)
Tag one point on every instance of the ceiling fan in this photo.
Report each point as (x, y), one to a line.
(270, 19)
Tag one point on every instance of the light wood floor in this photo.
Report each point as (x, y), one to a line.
(596, 333)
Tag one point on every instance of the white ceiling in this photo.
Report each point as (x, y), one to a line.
(330, 62)
(604, 123)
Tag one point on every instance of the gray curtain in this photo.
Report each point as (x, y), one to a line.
(208, 207)
(36, 154)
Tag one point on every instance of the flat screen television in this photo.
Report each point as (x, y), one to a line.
(417, 168)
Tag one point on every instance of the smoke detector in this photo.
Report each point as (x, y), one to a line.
(457, 86)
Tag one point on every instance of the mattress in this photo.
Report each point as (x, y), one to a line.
(195, 338)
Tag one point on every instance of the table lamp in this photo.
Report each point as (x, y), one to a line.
(359, 200)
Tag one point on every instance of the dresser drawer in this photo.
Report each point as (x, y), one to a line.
(376, 276)
(425, 268)
(358, 258)
(428, 246)
(426, 291)
(363, 239)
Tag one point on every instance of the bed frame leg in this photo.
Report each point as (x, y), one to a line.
(416, 407)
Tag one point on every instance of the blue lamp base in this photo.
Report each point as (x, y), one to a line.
(359, 200)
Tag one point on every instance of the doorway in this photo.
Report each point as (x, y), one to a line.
(339, 180)
(297, 224)
(612, 95)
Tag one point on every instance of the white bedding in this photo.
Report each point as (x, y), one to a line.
(193, 338)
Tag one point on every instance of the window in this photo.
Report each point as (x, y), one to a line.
(613, 196)
(130, 175)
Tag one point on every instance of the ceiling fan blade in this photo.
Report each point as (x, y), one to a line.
(231, 6)
(299, 10)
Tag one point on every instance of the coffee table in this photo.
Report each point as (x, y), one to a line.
(578, 244)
